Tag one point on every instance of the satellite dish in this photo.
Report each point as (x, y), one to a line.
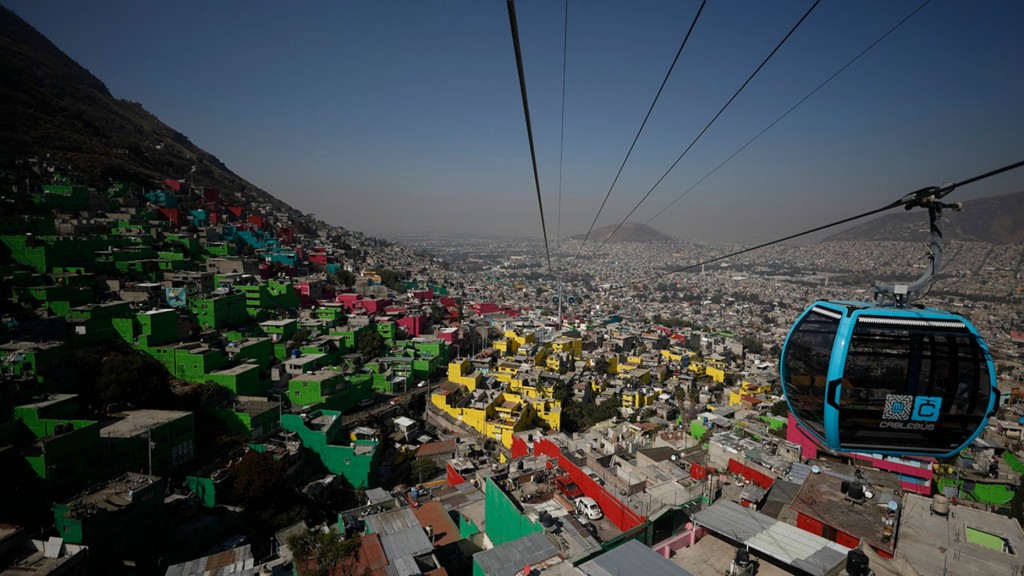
(869, 494)
(815, 469)
(893, 505)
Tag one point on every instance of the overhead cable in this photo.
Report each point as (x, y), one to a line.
(908, 201)
(702, 132)
(642, 124)
(794, 107)
(561, 136)
(529, 127)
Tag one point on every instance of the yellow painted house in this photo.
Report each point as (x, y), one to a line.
(506, 347)
(532, 388)
(571, 346)
(462, 372)
(636, 398)
(672, 356)
(505, 371)
(716, 374)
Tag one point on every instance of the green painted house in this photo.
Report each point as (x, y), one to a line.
(119, 520)
(138, 439)
(59, 448)
(321, 431)
(220, 311)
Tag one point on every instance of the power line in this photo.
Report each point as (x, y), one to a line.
(908, 201)
(529, 127)
(561, 137)
(702, 132)
(794, 107)
(641, 129)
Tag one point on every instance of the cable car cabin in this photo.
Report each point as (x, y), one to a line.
(862, 378)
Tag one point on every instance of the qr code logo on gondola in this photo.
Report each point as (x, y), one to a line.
(898, 407)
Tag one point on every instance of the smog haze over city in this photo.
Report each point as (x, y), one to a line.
(394, 118)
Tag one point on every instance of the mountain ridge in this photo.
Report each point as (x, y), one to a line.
(993, 219)
(627, 232)
(54, 106)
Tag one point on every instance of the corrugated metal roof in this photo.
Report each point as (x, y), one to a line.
(377, 495)
(798, 472)
(235, 562)
(798, 548)
(512, 557)
(409, 542)
(631, 559)
(404, 566)
(392, 521)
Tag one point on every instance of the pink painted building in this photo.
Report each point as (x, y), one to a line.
(914, 472)
(413, 325)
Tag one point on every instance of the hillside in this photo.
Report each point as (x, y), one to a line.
(629, 232)
(52, 105)
(995, 219)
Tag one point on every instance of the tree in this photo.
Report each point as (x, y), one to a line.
(423, 468)
(257, 479)
(298, 338)
(780, 408)
(437, 313)
(319, 553)
(132, 378)
(370, 344)
(392, 280)
(344, 278)
(601, 365)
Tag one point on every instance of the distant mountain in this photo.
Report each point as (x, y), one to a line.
(52, 105)
(995, 219)
(629, 232)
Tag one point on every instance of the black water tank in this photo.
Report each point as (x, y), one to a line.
(857, 563)
(856, 491)
(742, 557)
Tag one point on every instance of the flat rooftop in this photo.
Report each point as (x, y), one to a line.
(821, 498)
(966, 542)
(112, 496)
(317, 376)
(136, 422)
(50, 400)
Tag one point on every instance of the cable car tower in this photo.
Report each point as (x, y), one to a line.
(891, 377)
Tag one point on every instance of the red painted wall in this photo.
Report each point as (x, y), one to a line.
(619, 514)
(172, 214)
(698, 472)
(413, 325)
(755, 476)
(805, 522)
(519, 447)
(453, 477)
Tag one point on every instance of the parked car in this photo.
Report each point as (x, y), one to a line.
(365, 402)
(566, 486)
(395, 401)
(588, 508)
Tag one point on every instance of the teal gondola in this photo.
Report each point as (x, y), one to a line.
(864, 378)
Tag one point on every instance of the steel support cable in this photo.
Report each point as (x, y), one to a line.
(794, 107)
(702, 132)
(641, 129)
(909, 201)
(529, 127)
(561, 135)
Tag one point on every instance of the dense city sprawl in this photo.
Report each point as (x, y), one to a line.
(193, 382)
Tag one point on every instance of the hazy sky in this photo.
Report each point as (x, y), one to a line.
(393, 117)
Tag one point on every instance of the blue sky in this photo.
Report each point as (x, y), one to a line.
(391, 117)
